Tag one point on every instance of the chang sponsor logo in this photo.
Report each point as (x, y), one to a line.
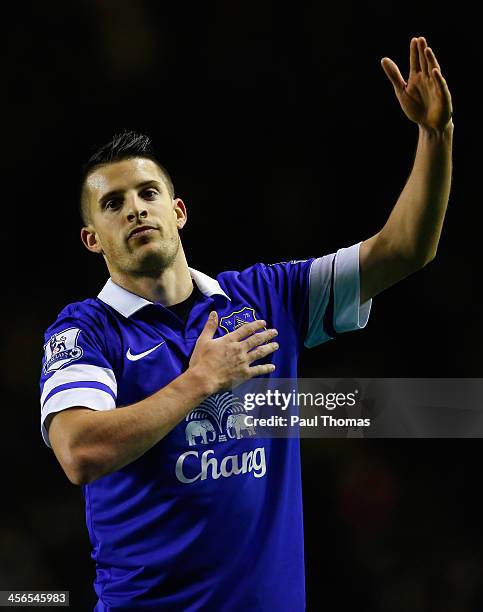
(192, 466)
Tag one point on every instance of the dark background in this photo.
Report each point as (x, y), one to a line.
(285, 140)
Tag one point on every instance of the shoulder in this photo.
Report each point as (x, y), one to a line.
(81, 331)
(267, 272)
(90, 314)
(234, 275)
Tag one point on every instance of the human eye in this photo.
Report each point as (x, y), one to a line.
(112, 204)
(150, 193)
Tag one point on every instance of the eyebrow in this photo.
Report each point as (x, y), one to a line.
(117, 192)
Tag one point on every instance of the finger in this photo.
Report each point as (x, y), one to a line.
(414, 65)
(259, 338)
(247, 330)
(210, 326)
(443, 86)
(431, 59)
(258, 370)
(422, 57)
(393, 73)
(262, 351)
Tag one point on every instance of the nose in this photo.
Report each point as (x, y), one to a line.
(136, 208)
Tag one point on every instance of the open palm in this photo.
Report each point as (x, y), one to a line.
(425, 97)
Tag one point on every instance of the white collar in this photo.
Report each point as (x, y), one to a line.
(128, 303)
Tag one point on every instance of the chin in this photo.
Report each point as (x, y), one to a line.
(154, 260)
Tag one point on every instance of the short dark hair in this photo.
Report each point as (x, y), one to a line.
(125, 145)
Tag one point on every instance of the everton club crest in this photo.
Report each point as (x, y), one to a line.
(61, 349)
(237, 318)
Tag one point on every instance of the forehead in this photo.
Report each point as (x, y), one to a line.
(121, 176)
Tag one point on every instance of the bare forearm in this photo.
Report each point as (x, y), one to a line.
(106, 441)
(409, 239)
(414, 226)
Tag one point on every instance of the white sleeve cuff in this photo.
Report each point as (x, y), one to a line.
(334, 296)
(349, 315)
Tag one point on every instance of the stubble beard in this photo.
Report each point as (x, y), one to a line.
(153, 262)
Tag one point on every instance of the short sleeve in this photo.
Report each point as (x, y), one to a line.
(334, 296)
(290, 281)
(75, 370)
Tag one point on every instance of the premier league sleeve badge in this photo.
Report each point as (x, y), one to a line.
(61, 349)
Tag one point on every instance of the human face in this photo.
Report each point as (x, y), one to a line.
(134, 222)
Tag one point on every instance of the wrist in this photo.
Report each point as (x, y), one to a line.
(441, 134)
(199, 382)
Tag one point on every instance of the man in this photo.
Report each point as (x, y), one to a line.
(184, 511)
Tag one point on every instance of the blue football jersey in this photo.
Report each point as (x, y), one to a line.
(210, 518)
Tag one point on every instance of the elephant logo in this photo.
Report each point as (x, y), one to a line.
(235, 424)
(199, 429)
(219, 417)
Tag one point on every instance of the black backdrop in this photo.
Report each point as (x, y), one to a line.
(285, 140)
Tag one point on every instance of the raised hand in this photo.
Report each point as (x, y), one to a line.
(425, 97)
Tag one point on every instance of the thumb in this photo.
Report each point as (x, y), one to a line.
(393, 74)
(211, 326)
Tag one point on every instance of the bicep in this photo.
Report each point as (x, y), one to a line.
(380, 267)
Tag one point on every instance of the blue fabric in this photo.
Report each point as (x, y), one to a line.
(203, 520)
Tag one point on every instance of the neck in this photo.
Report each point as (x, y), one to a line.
(171, 286)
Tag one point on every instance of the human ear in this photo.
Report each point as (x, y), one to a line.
(90, 240)
(180, 212)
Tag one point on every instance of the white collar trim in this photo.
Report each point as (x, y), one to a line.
(127, 303)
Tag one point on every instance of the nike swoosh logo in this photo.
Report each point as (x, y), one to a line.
(132, 357)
